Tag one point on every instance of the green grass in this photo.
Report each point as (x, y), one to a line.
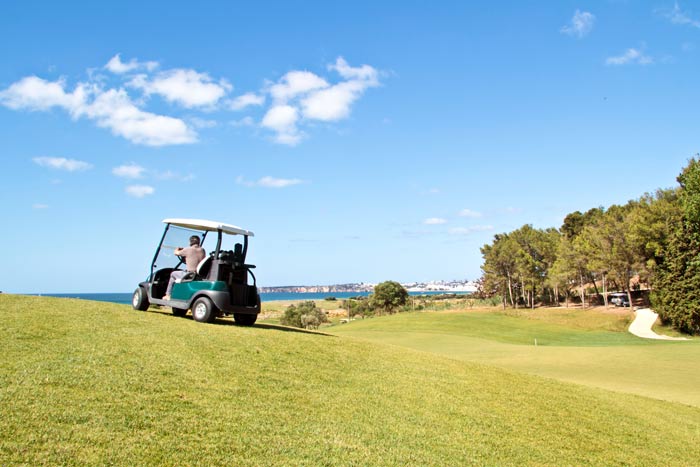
(87, 383)
(582, 346)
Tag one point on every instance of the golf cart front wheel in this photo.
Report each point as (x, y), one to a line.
(203, 310)
(244, 319)
(140, 299)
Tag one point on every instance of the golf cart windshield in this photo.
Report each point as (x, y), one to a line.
(175, 237)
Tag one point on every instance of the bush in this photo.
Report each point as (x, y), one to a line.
(304, 315)
(358, 307)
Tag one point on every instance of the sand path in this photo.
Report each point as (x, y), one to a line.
(643, 321)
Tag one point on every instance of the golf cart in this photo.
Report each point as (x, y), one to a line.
(220, 285)
(619, 299)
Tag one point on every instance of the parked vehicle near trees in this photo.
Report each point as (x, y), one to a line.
(619, 299)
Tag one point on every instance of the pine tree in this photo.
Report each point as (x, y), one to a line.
(677, 295)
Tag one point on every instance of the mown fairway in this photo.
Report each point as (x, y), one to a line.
(586, 347)
(86, 383)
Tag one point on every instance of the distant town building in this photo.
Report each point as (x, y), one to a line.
(433, 286)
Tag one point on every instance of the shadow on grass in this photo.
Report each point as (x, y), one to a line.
(230, 322)
(279, 327)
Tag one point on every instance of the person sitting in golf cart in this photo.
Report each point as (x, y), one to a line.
(192, 255)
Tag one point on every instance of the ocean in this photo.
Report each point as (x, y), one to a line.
(125, 298)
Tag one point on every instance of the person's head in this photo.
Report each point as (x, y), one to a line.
(194, 240)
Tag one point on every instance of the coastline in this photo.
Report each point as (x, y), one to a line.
(125, 297)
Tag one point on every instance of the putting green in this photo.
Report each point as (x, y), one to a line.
(615, 361)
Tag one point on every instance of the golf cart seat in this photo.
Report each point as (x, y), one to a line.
(204, 267)
(202, 272)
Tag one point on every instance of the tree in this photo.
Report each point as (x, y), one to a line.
(675, 296)
(500, 267)
(528, 261)
(535, 256)
(575, 222)
(388, 296)
(569, 268)
(652, 221)
(519, 262)
(573, 225)
(610, 246)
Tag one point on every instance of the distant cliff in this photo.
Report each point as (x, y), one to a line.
(434, 286)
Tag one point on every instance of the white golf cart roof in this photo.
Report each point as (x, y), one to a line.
(210, 226)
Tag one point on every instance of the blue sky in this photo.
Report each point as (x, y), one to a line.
(359, 141)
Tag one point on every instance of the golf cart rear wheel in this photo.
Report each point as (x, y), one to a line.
(203, 310)
(244, 319)
(180, 312)
(140, 299)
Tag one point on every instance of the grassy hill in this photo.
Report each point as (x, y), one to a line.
(100, 384)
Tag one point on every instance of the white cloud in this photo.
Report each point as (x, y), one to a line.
(246, 100)
(270, 182)
(139, 191)
(581, 24)
(129, 171)
(296, 100)
(40, 206)
(111, 109)
(469, 213)
(115, 65)
(470, 230)
(631, 56)
(676, 16)
(295, 83)
(114, 110)
(304, 95)
(185, 87)
(33, 93)
(334, 103)
(283, 120)
(364, 73)
(435, 221)
(61, 163)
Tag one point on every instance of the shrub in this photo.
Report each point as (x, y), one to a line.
(304, 315)
(358, 307)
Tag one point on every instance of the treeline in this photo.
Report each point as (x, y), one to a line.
(654, 239)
